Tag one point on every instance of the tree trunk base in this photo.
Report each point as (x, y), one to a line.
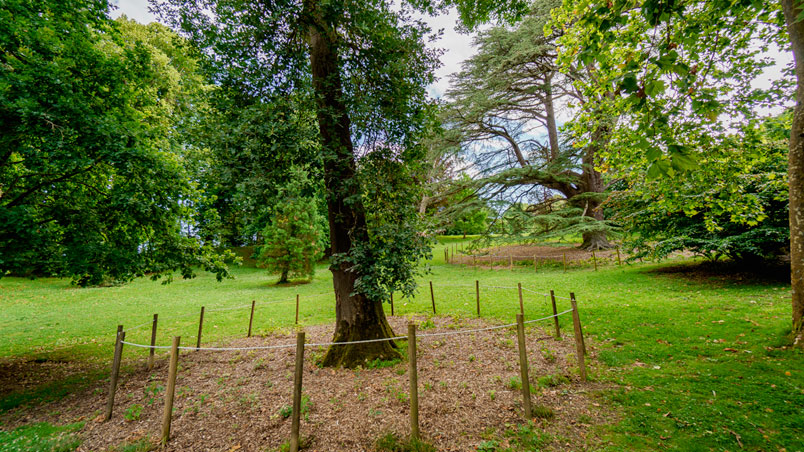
(354, 355)
(595, 241)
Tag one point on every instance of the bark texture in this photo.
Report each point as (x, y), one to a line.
(795, 171)
(357, 317)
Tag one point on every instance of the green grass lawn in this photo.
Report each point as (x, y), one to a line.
(697, 361)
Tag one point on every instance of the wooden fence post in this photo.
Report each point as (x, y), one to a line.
(618, 256)
(118, 356)
(535, 268)
(555, 314)
(297, 392)
(565, 262)
(200, 327)
(297, 309)
(414, 382)
(251, 318)
(523, 364)
(594, 259)
(580, 328)
(171, 389)
(511, 262)
(392, 303)
(579, 347)
(521, 304)
(432, 297)
(477, 296)
(153, 343)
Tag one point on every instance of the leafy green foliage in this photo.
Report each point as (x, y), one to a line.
(91, 177)
(734, 204)
(292, 241)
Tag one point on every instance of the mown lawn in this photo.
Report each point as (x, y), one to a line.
(698, 360)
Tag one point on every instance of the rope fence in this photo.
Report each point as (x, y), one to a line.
(301, 344)
(463, 257)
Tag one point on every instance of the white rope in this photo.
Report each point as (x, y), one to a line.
(328, 344)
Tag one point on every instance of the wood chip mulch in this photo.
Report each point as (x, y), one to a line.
(236, 400)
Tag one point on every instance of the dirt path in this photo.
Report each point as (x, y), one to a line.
(236, 401)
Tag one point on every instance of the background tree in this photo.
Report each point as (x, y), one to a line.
(292, 241)
(504, 106)
(366, 68)
(91, 178)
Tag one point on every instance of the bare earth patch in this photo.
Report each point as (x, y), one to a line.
(237, 401)
(501, 256)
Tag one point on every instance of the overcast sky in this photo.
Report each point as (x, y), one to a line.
(457, 46)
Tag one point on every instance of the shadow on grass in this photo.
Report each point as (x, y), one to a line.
(729, 272)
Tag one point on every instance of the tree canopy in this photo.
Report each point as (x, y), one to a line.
(92, 184)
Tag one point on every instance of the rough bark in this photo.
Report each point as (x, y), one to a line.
(357, 317)
(795, 171)
(550, 113)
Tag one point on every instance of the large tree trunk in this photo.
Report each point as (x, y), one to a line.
(357, 317)
(795, 171)
(592, 181)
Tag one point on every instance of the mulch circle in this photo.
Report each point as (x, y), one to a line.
(238, 400)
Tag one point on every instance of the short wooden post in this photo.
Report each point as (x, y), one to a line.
(580, 328)
(477, 295)
(576, 321)
(521, 304)
(251, 318)
(555, 314)
(171, 389)
(474, 261)
(153, 343)
(118, 356)
(297, 393)
(565, 262)
(297, 309)
(535, 268)
(200, 328)
(523, 364)
(392, 303)
(432, 297)
(414, 382)
(618, 256)
(511, 262)
(594, 259)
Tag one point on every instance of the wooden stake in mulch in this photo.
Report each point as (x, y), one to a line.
(579, 348)
(565, 262)
(251, 318)
(618, 256)
(580, 328)
(118, 356)
(297, 392)
(153, 343)
(414, 382)
(432, 296)
(477, 295)
(200, 328)
(392, 303)
(594, 259)
(297, 309)
(171, 389)
(523, 364)
(521, 305)
(555, 314)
